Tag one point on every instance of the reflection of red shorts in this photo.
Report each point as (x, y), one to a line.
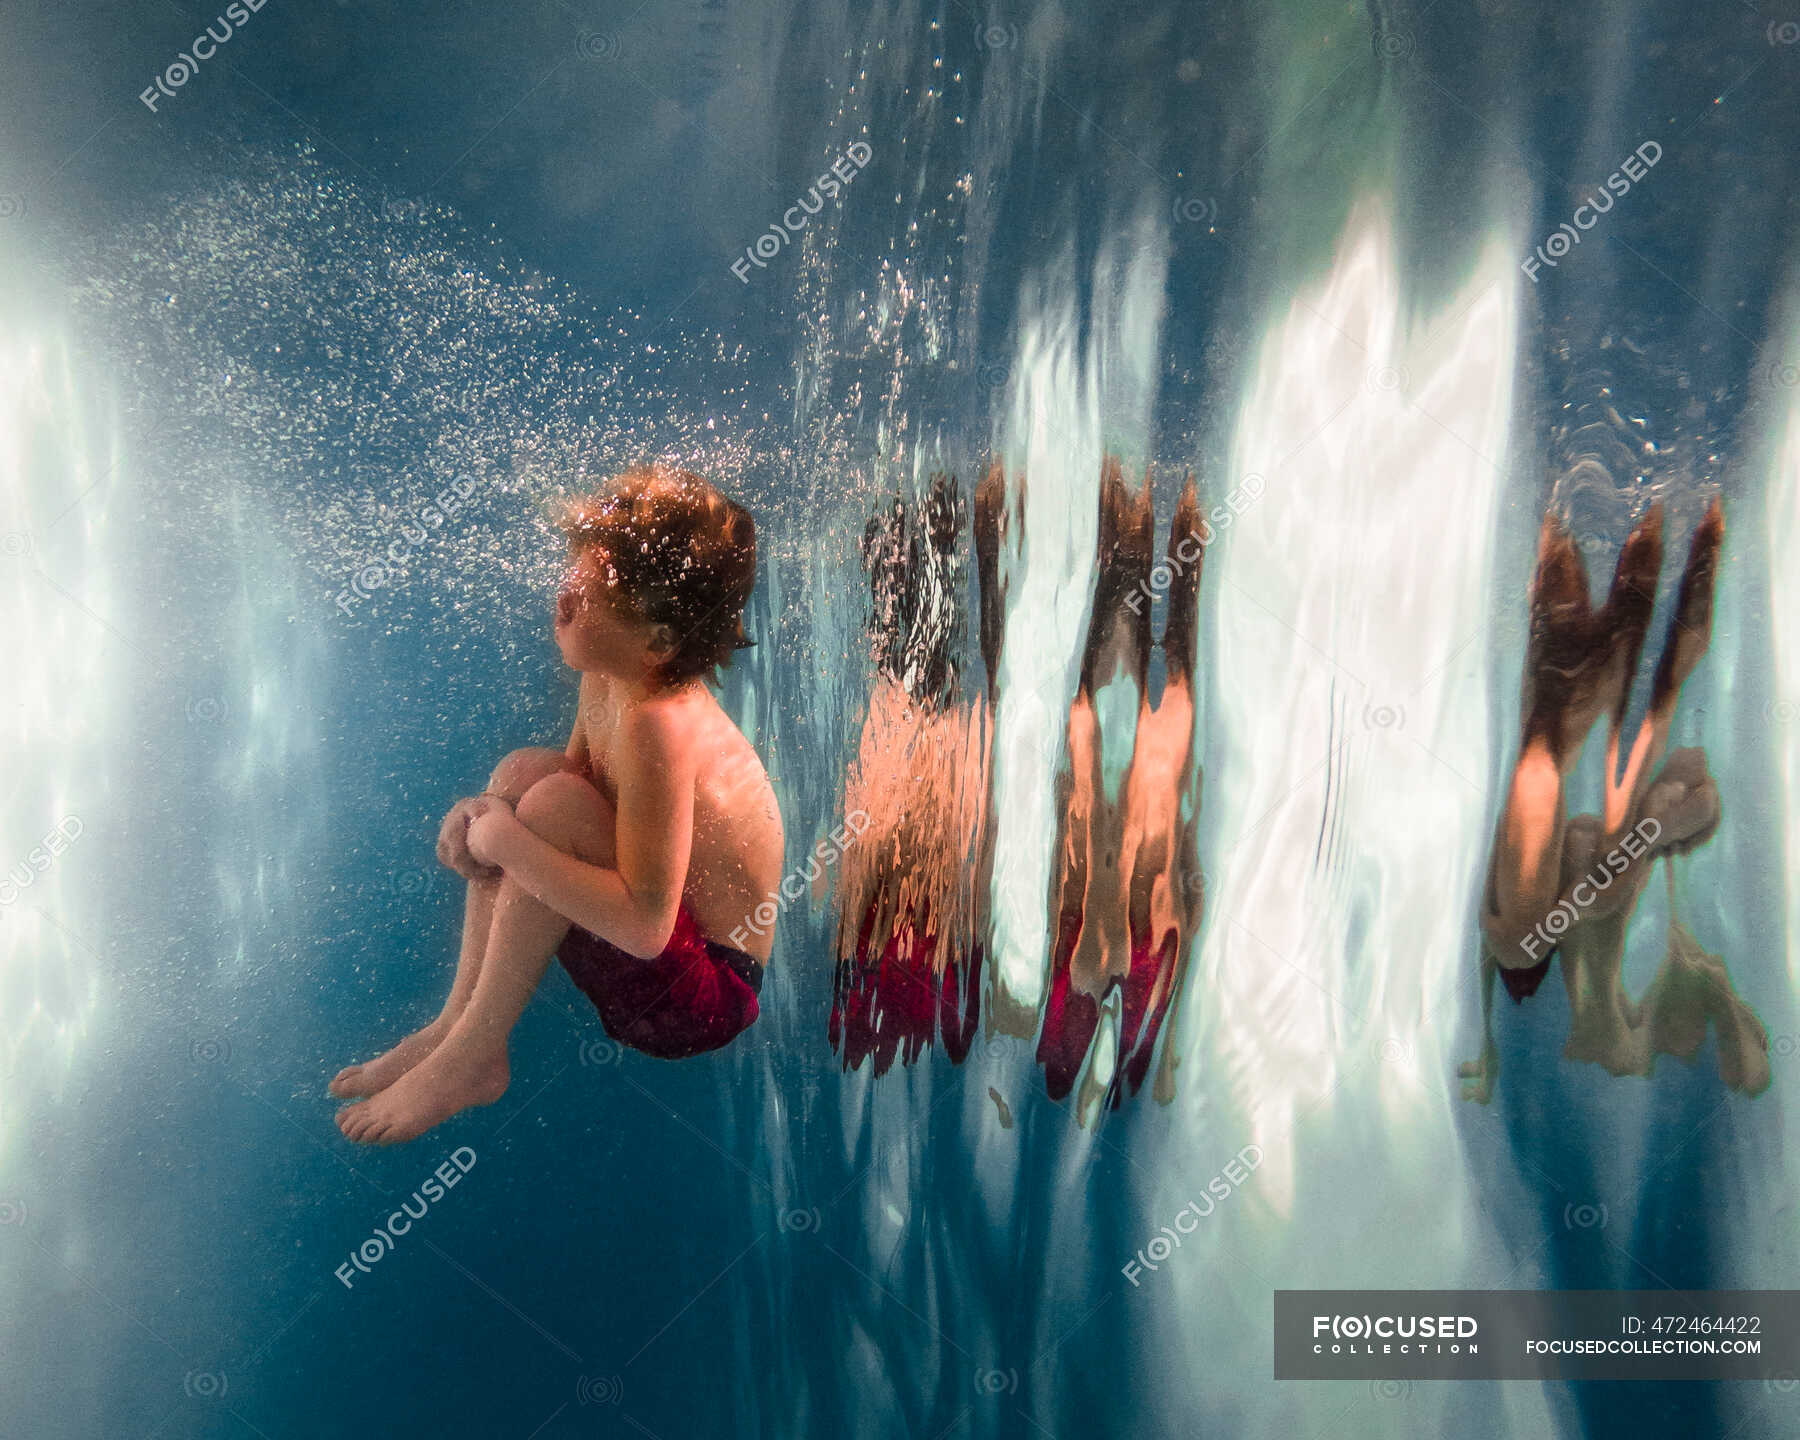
(694, 997)
(1070, 1018)
(895, 1000)
(1522, 981)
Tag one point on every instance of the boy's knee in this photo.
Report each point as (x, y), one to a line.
(522, 769)
(557, 805)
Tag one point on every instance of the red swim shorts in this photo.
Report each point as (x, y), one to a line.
(696, 996)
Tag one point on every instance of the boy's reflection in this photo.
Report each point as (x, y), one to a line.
(1568, 887)
(1127, 890)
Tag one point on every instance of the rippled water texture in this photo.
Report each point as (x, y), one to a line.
(300, 339)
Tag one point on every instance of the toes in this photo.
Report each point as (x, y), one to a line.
(354, 1121)
(369, 1123)
(388, 1130)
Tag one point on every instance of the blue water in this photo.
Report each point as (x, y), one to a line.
(364, 253)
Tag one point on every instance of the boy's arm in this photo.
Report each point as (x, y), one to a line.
(635, 905)
(578, 753)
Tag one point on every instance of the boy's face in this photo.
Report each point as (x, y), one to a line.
(595, 628)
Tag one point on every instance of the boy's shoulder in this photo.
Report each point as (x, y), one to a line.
(669, 722)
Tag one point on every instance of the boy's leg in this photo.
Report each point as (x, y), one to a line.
(512, 777)
(576, 818)
(469, 1065)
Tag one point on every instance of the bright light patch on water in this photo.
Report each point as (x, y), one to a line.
(1348, 665)
(1346, 817)
(62, 697)
(1784, 622)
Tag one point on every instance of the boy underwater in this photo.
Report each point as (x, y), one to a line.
(655, 829)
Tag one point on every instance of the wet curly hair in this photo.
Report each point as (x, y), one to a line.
(679, 553)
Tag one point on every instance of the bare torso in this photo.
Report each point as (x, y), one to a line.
(737, 848)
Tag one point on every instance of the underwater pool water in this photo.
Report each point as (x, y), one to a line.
(301, 337)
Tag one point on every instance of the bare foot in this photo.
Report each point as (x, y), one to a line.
(354, 1082)
(459, 1073)
(1478, 1075)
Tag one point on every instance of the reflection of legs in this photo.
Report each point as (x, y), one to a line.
(1478, 1075)
(1682, 803)
(1563, 696)
(514, 775)
(1689, 635)
(469, 1066)
(1602, 1020)
(992, 522)
(993, 519)
(1693, 988)
(1579, 664)
(1572, 675)
(1178, 896)
(1527, 868)
(1116, 661)
(1603, 1025)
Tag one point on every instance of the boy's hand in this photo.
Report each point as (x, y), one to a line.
(490, 826)
(453, 839)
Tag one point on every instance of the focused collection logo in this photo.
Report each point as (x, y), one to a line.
(1394, 1335)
